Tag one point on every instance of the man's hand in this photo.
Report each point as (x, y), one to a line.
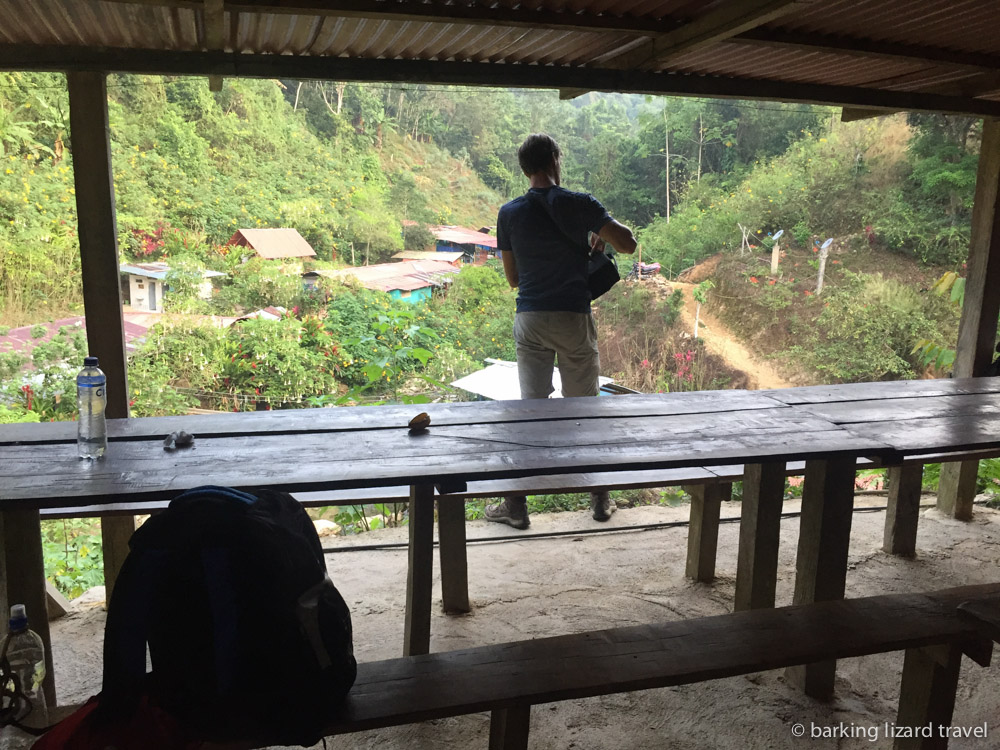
(619, 235)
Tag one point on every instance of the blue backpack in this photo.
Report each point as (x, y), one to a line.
(248, 637)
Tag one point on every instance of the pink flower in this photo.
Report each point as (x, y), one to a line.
(645, 363)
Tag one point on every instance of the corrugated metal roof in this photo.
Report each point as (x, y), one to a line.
(498, 381)
(447, 256)
(158, 270)
(405, 276)
(275, 243)
(860, 44)
(463, 236)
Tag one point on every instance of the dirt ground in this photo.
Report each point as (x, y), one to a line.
(533, 588)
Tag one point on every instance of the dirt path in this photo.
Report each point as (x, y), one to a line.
(721, 342)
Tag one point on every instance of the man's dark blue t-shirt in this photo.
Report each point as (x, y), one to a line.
(551, 266)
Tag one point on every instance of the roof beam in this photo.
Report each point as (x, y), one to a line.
(234, 65)
(725, 21)
(213, 15)
(868, 48)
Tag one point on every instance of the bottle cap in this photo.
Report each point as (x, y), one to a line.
(18, 618)
(90, 362)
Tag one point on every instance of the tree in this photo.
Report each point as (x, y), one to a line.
(700, 295)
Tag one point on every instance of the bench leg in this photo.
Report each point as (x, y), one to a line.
(927, 694)
(703, 530)
(454, 563)
(115, 534)
(821, 565)
(417, 628)
(760, 527)
(957, 489)
(24, 570)
(904, 507)
(509, 728)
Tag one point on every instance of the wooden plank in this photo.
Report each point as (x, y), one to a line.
(509, 728)
(56, 605)
(417, 627)
(903, 510)
(933, 435)
(703, 531)
(394, 417)
(977, 329)
(927, 695)
(920, 407)
(48, 476)
(986, 613)
(25, 573)
(30, 57)
(821, 563)
(760, 528)
(98, 232)
(116, 531)
(896, 389)
(648, 656)
(454, 563)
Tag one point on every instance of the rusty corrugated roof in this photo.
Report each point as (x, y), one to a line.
(843, 51)
(275, 243)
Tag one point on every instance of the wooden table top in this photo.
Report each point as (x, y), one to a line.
(346, 448)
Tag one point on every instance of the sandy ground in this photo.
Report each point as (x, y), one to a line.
(722, 343)
(535, 588)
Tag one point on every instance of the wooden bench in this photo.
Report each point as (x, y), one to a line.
(508, 679)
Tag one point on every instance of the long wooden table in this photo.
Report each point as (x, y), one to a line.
(828, 427)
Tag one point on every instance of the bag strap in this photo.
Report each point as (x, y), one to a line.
(540, 200)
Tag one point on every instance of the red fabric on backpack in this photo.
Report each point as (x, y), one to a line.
(150, 728)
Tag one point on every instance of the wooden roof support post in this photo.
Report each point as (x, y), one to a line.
(978, 329)
(102, 300)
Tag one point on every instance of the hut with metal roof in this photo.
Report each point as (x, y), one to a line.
(273, 244)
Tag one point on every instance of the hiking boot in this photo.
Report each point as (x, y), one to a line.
(513, 511)
(601, 505)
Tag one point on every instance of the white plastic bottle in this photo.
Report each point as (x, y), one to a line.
(91, 400)
(26, 654)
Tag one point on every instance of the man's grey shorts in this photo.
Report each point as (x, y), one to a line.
(541, 337)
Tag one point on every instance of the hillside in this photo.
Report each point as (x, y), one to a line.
(206, 164)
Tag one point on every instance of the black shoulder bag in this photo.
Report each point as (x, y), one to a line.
(602, 271)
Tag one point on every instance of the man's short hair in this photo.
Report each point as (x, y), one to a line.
(537, 153)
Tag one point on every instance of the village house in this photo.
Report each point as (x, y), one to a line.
(273, 244)
(147, 285)
(411, 281)
(447, 256)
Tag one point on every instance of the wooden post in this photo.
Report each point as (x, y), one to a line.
(417, 628)
(454, 563)
(509, 728)
(775, 257)
(821, 564)
(703, 529)
(760, 528)
(102, 300)
(25, 570)
(978, 328)
(927, 694)
(900, 536)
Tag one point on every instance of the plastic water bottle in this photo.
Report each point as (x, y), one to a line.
(26, 654)
(91, 400)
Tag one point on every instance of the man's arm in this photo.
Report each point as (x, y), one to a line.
(619, 235)
(510, 268)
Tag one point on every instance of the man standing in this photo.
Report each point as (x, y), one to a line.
(543, 238)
